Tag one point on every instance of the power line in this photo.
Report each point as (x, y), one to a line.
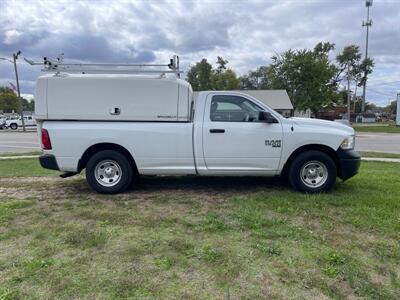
(386, 83)
(381, 93)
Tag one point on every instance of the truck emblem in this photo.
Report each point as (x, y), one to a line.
(273, 143)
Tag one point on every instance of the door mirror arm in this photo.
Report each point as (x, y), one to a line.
(266, 117)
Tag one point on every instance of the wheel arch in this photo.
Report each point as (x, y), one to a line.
(89, 152)
(312, 147)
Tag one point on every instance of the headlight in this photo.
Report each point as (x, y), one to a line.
(348, 143)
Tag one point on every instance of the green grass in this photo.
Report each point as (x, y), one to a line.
(12, 154)
(22, 167)
(199, 238)
(379, 154)
(388, 128)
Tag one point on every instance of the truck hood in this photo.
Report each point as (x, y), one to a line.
(323, 124)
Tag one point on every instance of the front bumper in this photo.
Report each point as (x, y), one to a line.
(349, 162)
(48, 161)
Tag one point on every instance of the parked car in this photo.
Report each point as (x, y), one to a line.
(2, 122)
(15, 123)
(118, 127)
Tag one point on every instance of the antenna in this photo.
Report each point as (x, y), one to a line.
(57, 65)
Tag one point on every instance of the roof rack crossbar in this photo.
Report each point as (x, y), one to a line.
(57, 65)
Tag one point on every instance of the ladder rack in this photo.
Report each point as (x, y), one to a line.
(57, 65)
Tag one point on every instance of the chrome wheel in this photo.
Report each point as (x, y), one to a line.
(108, 173)
(314, 174)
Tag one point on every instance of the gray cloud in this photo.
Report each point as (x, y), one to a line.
(247, 33)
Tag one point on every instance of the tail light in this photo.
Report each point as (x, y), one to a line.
(46, 143)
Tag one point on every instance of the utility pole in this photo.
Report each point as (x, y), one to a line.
(15, 57)
(14, 61)
(348, 92)
(367, 24)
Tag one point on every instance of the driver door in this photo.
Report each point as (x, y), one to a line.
(235, 139)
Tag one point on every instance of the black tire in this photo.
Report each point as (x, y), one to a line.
(309, 164)
(118, 165)
(14, 126)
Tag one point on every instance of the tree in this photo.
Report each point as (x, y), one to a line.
(258, 79)
(223, 78)
(352, 69)
(226, 80)
(28, 105)
(221, 65)
(8, 100)
(307, 75)
(391, 108)
(349, 64)
(203, 77)
(199, 76)
(366, 68)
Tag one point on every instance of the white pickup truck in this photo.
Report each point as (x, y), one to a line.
(29, 121)
(118, 127)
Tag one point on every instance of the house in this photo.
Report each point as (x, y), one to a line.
(278, 100)
(334, 112)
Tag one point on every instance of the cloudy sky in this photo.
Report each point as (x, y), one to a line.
(247, 33)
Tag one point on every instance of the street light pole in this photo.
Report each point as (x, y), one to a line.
(367, 24)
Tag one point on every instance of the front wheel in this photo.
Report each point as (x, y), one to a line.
(109, 172)
(312, 172)
(14, 126)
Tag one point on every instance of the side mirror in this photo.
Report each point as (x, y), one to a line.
(266, 117)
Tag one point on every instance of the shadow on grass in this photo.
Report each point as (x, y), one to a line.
(184, 186)
(228, 184)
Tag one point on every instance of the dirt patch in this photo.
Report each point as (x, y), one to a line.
(202, 188)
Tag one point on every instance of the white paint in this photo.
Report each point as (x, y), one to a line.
(95, 97)
(165, 148)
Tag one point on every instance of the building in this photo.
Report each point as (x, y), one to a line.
(334, 113)
(365, 118)
(278, 100)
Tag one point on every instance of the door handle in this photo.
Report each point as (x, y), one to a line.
(115, 111)
(217, 130)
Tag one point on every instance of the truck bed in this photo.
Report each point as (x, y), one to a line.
(158, 147)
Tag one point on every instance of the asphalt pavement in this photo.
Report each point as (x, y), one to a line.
(378, 142)
(20, 142)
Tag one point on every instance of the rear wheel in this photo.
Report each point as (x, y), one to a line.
(14, 126)
(312, 172)
(109, 172)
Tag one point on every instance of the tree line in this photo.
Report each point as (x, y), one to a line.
(310, 78)
(9, 101)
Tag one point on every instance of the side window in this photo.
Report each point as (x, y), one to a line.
(227, 108)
